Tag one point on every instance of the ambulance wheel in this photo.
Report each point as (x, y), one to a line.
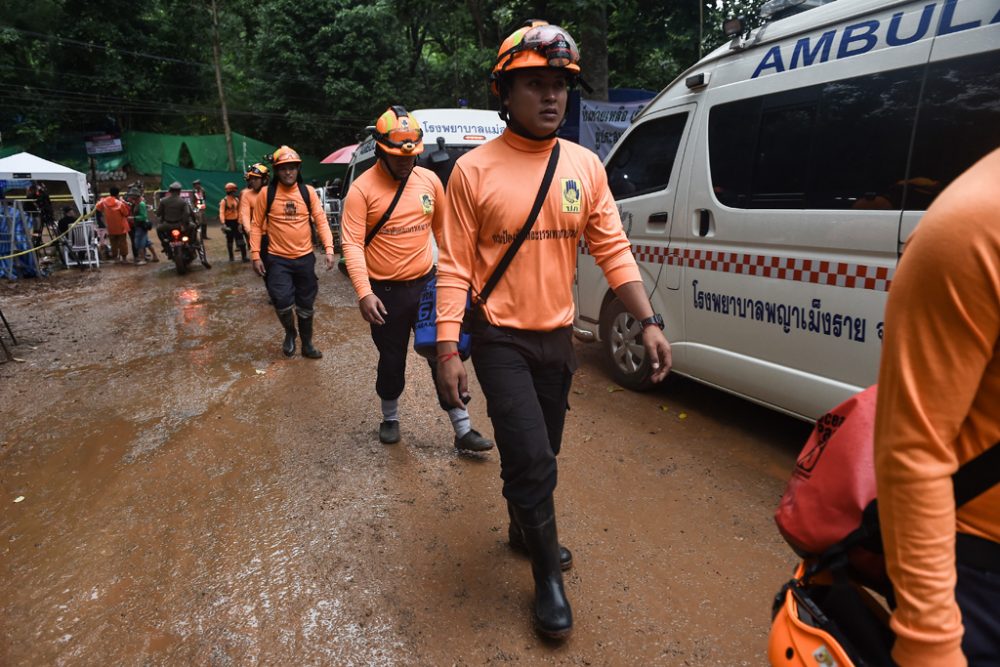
(623, 348)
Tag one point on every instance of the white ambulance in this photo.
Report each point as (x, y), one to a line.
(769, 190)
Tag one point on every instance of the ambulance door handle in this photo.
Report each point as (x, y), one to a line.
(705, 223)
(657, 219)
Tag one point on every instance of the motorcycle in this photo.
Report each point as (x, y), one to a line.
(184, 251)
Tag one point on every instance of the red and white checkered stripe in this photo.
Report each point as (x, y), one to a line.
(822, 272)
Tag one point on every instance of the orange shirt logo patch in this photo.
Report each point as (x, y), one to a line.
(427, 202)
(570, 195)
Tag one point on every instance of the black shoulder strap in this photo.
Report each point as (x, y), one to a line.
(508, 257)
(388, 212)
(272, 189)
(977, 475)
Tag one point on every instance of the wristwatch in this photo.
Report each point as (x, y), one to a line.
(655, 320)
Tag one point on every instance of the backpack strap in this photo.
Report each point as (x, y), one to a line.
(388, 212)
(508, 257)
(977, 476)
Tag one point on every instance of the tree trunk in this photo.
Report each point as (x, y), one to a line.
(216, 57)
(594, 50)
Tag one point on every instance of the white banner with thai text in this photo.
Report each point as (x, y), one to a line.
(603, 123)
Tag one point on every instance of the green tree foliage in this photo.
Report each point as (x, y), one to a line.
(308, 74)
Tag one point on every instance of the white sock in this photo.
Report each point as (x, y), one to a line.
(460, 421)
(390, 410)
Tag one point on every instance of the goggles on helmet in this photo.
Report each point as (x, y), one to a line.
(552, 42)
(405, 140)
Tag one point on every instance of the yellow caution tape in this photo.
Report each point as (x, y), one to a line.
(76, 222)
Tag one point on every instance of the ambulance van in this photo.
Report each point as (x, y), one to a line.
(768, 193)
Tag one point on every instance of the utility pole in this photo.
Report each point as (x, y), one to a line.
(218, 82)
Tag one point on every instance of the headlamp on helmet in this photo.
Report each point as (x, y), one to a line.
(536, 44)
(398, 132)
(258, 170)
(285, 155)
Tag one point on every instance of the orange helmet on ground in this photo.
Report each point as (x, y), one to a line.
(259, 170)
(536, 44)
(397, 132)
(231, 187)
(804, 635)
(285, 155)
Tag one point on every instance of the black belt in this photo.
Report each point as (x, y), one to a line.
(977, 552)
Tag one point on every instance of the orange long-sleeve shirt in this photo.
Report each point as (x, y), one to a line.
(288, 230)
(938, 407)
(402, 248)
(229, 208)
(490, 194)
(115, 213)
(247, 200)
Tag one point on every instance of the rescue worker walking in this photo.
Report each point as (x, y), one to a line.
(199, 206)
(174, 212)
(390, 263)
(522, 335)
(286, 210)
(229, 218)
(257, 177)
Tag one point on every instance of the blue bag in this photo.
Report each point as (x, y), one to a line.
(425, 330)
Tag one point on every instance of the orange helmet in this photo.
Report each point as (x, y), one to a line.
(397, 132)
(260, 170)
(802, 635)
(535, 44)
(285, 155)
(231, 187)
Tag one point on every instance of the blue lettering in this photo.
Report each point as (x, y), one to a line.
(947, 15)
(868, 38)
(893, 38)
(824, 42)
(771, 59)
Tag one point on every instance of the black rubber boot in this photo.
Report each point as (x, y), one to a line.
(287, 320)
(306, 333)
(553, 616)
(516, 540)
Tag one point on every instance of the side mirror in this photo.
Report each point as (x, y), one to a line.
(440, 156)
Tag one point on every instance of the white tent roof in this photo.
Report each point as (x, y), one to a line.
(32, 167)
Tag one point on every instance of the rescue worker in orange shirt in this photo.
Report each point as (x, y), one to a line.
(390, 269)
(522, 346)
(229, 207)
(116, 214)
(287, 210)
(938, 409)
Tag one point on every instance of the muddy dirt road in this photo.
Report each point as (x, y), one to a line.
(175, 492)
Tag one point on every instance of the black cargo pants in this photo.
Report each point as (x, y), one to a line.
(401, 299)
(526, 377)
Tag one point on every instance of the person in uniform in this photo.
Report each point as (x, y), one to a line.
(199, 207)
(174, 212)
(390, 266)
(522, 346)
(229, 207)
(287, 209)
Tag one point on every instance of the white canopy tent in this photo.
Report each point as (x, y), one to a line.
(25, 166)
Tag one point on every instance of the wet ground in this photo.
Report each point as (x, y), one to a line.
(174, 491)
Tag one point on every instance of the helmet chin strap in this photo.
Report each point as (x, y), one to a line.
(379, 153)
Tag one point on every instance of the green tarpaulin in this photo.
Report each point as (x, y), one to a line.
(147, 151)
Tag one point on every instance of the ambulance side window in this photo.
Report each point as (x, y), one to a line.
(959, 123)
(644, 161)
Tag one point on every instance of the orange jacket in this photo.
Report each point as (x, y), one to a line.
(247, 200)
(288, 230)
(115, 213)
(229, 208)
(490, 194)
(938, 407)
(402, 248)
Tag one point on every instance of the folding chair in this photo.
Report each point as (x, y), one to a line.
(81, 245)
